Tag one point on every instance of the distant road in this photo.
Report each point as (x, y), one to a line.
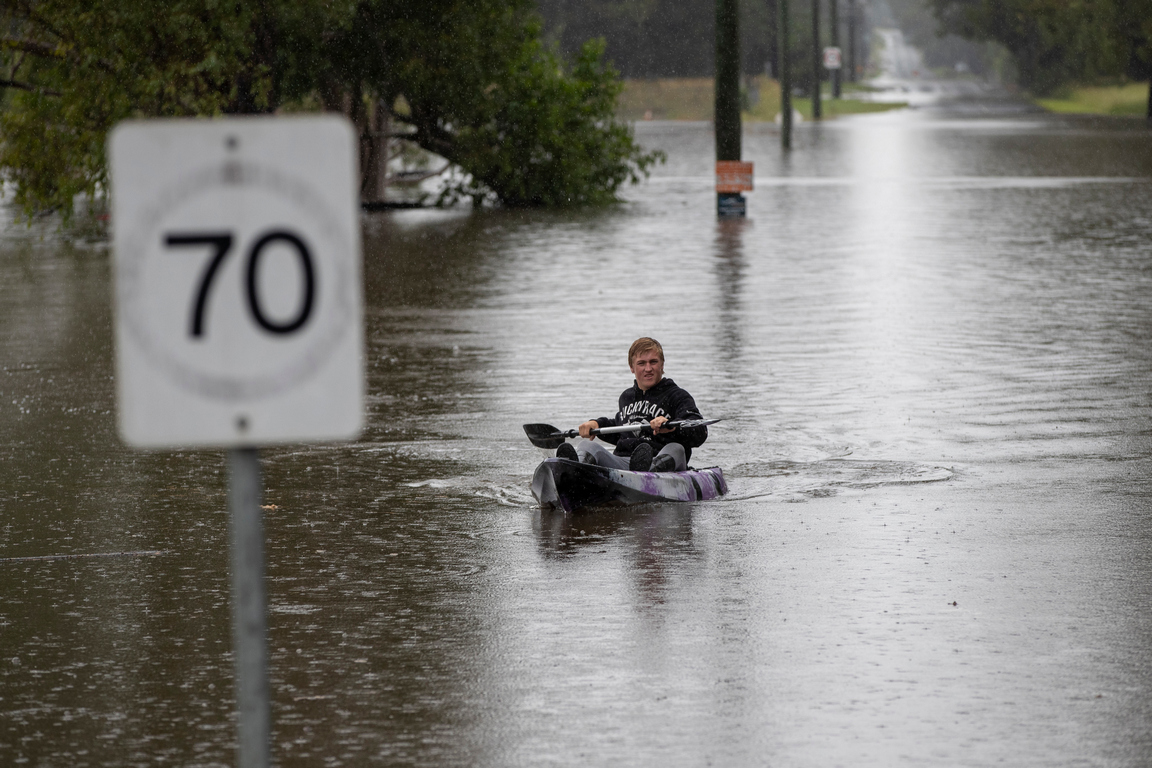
(904, 76)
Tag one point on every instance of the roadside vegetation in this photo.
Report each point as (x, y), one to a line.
(1127, 100)
(1067, 54)
(692, 99)
(469, 80)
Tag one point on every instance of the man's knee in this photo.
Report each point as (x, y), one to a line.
(593, 450)
(676, 451)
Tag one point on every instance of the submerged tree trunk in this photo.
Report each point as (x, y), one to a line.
(373, 121)
(1149, 101)
(374, 153)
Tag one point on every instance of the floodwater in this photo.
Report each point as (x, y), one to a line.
(931, 345)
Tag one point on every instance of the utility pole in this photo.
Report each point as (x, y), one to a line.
(817, 60)
(784, 45)
(772, 66)
(851, 41)
(729, 201)
(834, 22)
(727, 105)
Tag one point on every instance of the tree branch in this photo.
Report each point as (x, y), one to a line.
(49, 51)
(28, 87)
(25, 9)
(428, 134)
(34, 47)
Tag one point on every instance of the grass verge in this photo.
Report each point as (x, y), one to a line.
(1130, 100)
(692, 99)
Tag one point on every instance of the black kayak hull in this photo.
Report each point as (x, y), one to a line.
(570, 485)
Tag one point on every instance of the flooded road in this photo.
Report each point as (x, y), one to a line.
(932, 348)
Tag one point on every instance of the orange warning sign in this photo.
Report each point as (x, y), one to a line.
(733, 176)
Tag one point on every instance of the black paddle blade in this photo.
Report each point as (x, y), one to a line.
(544, 436)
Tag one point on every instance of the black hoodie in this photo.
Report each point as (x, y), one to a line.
(665, 399)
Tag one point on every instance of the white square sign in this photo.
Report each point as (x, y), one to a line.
(239, 317)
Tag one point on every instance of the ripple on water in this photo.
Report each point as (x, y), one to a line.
(790, 479)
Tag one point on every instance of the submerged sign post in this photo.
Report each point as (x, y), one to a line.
(239, 318)
(732, 178)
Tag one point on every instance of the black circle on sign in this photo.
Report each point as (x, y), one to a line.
(309, 282)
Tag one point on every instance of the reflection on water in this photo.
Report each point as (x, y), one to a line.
(655, 542)
(729, 274)
(930, 346)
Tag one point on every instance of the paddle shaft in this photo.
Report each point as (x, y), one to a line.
(547, 436)
(612, 430)
(625, 428)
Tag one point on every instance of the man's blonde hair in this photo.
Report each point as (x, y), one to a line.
(641, 345)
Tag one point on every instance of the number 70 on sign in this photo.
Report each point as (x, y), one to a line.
(238, 288)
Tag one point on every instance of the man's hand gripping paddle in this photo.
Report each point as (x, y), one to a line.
(547, 436)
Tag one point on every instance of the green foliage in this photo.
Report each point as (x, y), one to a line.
(483, 90)
(1059, 41)
(559, 138)
(75, 70)
(1133, 25)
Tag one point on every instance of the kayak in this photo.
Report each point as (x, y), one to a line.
(570, 485)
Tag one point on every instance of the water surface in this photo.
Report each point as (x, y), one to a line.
(931, 345)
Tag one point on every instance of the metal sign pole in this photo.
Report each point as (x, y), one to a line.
(249, 609)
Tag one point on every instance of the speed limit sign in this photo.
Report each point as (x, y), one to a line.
(238, 290)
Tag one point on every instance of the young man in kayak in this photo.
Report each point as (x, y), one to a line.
(652, 400)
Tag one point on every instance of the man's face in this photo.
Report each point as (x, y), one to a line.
(648, 369)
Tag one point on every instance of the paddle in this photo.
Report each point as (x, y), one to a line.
(547, 436)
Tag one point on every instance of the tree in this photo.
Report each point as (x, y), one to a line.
(1052, 41)
(1059, 41)
(1132, 31)
(480, 87)
(76, 71)
(661, 38)
(919, 25)
(483, 91)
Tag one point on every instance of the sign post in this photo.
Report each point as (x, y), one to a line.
(832, 64)
(832, 58)
(239, 319)
(732, 178)
(249, 609)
